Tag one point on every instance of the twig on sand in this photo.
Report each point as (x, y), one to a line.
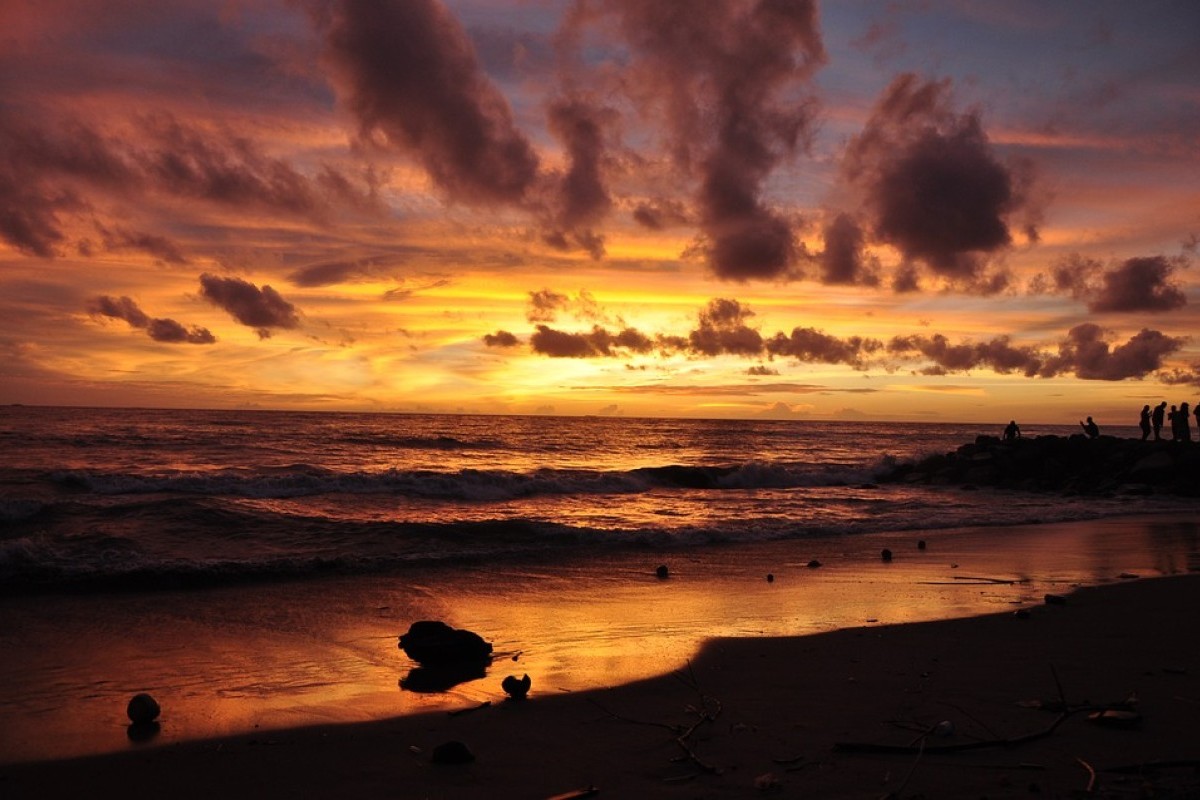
(871, 747)
(707, 712)
(460, 711)
(1091, 784)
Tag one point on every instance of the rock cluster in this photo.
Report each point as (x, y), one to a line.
(1065, 464)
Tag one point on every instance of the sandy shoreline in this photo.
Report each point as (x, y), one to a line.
(784, 700)
(779, 708)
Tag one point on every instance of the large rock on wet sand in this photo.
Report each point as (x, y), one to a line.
(434, 643)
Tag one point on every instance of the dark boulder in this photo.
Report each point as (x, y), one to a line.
(515, 687)
(142, 709)
(434, 643)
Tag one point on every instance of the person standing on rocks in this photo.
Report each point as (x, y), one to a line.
(1160, 411)
(1173, 421)
(1090, 428)
(1185, 424)
(1144, 422)
(1013, 431)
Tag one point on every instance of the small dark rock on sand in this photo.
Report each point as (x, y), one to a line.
(142, 709)
(436, 643)
(886, 555)
(515, 687)
(662, 571)
(814, 564)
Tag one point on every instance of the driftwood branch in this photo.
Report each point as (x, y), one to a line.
(707, 712)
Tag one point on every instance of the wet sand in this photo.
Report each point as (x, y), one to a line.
(284, 658)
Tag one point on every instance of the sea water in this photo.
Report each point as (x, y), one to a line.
(149, 499)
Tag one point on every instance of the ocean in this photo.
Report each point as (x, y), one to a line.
(148, 499)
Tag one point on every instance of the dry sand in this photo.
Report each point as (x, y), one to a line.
(751, 716)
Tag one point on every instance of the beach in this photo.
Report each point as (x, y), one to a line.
(773, 682)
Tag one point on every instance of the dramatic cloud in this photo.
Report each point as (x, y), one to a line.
(160, 330)
(545, 304)
(1139, 284)
(1136, 284)
(1083, 353)
(330, 273)
(53, 166)
(843, 261)
(660, 214)
(931, 183)
(722, 329)
(1086, 354)
(117, 239)
(597, 342)
(261, 309)
(1073, 275)
(501, 339)
(811, 345)
(727, 81)
(581, 198)
(410, 75)
(998, 354)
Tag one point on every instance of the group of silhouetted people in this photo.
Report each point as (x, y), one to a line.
(1151, 422)
(1177, 418)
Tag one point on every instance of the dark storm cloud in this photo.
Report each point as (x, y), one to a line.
(932, 184)
(501, 339)
(598, 342)
(726, 78)
(119, 308)
(50, 166)
(722, 329)
(998, 354)
(1074, 276)
(660, 213)
(160, 330)
(1139, 284)
(330, 273)
(29, 211)
(545, 304)
(581, 197)
(844, 260)
(168, 330)
(410, 75)
(813, 346)
(257, 308)
(1136, 284)
(1085, 353)
(159, 246)
(1180, 377)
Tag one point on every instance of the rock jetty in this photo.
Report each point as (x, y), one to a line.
(1063, 464)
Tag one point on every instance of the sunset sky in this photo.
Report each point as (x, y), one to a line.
(925, 210)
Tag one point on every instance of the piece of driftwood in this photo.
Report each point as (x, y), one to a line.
(957, 747)
(1091, 784)
(707, 712)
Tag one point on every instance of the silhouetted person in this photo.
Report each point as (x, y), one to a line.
(1144, 422)
(1185, 423)
(1173, 421)
(1011, 431)
(1197, 413)
(1160, 411)
(1090, 428)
